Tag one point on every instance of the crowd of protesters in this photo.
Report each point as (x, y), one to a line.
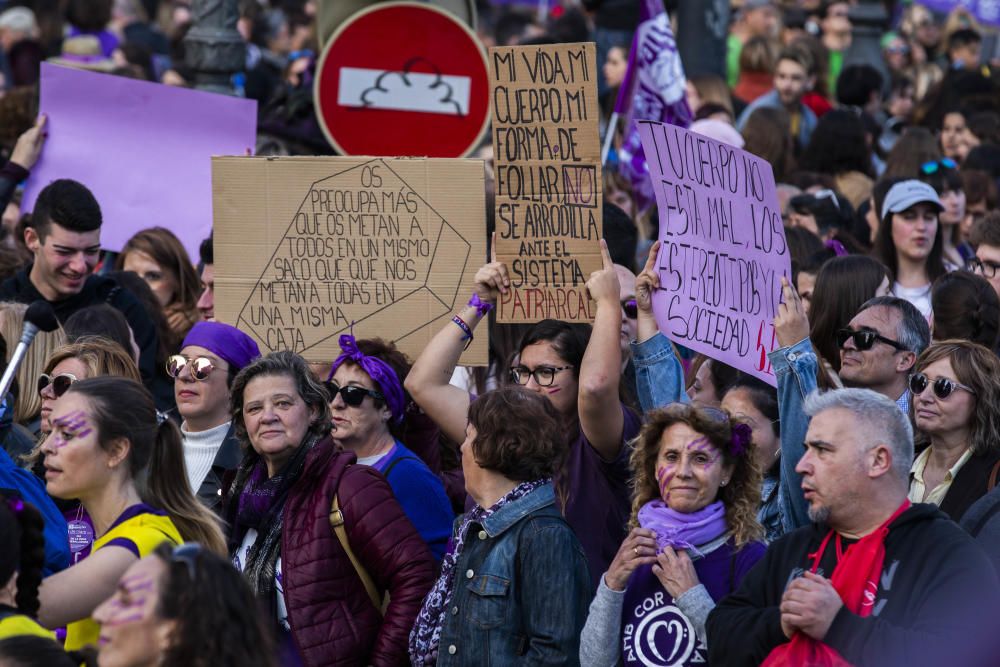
(597, 495)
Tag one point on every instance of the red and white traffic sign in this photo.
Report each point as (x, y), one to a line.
(403, 79)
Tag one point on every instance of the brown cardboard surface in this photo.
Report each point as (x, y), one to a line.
(305, 246)
(548, 184)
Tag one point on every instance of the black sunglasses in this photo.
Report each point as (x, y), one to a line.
(865, 339)
(630, 307)
(60, 383)
(352, 395)
(943, 387)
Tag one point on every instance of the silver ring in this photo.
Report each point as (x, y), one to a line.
(636, 550)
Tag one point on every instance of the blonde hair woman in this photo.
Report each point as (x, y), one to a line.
(28, 403)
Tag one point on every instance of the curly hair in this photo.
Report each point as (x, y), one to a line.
(519, 434)
(741, 496)
(977, 367)
(217, 619)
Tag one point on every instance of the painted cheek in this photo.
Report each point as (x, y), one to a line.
(663, 476)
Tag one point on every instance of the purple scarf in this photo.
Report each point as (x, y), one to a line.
(682, 530)
(426, 634)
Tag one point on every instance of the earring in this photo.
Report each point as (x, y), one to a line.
(724, 482)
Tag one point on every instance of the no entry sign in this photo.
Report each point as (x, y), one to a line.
(403, 79)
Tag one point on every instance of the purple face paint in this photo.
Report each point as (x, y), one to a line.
(74, 422)
(664, 475)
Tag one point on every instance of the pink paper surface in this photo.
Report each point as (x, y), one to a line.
(722, 247)
(144, 149)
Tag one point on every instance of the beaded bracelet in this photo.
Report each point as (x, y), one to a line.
(465, 328)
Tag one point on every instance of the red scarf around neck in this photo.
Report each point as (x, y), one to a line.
(855, 578)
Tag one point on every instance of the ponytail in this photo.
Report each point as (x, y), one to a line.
(22, 526)
(167, 488)
(155, 459)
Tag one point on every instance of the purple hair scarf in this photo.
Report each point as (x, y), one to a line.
(682, 530)
(379, 371)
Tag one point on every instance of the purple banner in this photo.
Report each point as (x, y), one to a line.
(144, 149)
(722, 247)
(985, 11)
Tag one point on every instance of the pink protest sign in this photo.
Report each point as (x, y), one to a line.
(144, 149)
(722, 247)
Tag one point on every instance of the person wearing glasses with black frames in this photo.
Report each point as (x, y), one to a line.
(578, 369)
(956, 411)
(985, 238)
(210, 357)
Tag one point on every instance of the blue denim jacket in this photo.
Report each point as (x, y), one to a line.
(521, 589)
(795, 367)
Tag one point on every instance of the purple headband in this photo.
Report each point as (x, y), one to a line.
(379, 371)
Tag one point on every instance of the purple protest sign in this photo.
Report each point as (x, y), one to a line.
(144, 149)
(722, 247)
(985, 11)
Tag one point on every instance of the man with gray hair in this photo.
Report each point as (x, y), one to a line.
(873, 578)
(878, 349)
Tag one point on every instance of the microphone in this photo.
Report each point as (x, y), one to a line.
(39, 317)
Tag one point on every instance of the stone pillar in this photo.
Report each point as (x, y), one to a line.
(869, 22)
(213, 48)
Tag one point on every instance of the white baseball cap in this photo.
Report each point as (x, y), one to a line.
(905, 194)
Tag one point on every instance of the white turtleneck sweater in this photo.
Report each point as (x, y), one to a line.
(200, 448)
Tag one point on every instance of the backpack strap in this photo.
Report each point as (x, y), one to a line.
(393, 464)
(337, 523)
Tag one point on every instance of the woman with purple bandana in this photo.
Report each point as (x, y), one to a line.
(694, 535)
(368, 405)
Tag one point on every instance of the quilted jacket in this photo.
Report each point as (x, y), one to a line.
(332, 618)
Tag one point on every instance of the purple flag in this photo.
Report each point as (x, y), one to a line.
(653, 89)
(985, 11)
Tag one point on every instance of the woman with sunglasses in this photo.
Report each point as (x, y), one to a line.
(28, 404)
(956, 409)
(368, 406)
(203, 373)
(90, 358)
(182, 607)
(909, 241)
(694, 536)
(320, 540)
(111, 450)
(578, 369)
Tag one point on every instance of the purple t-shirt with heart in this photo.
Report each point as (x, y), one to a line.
(654, 631)
(598, 497)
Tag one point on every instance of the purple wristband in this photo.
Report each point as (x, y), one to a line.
(480, 305)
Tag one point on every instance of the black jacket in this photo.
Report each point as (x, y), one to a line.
(96, 290)
(970, 484)
(936, 604)
(227, 459)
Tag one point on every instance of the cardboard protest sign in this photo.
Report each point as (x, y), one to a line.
(144, 149)
(548, 179)
(306, 247)
(722, 247)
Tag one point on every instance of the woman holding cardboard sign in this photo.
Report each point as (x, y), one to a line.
(578, 369)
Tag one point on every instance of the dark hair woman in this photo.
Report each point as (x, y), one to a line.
(518, 605)
(183, 607)
(694, 536)
(839, 147)
(34, 651)
(22, 554)
(126, 467)
(909, 241)
(966, 307)
(319, 539)
(944, 177)
(575, 367)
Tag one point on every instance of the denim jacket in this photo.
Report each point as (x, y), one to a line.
(795, 367)
(521, 589)
(659, 376)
